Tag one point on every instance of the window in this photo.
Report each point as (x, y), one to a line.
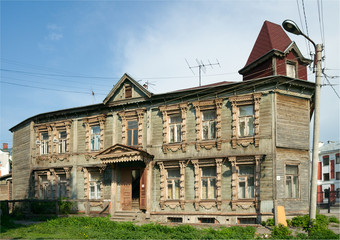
(337, 175)
(291, 69)
(246, 181)
(326, 176)
(207, 220)
(326, 160)
(132, 133)
(337, 157)
(245, 119)
(175, 124)
(62, 186)
(94, 182)
(209, 124)
(173, 187)
(292, 181)
(208, 183)
(128, 91)
(62, 142)
(245, 122)
(175, 219)
(95, 138)
(44, 143)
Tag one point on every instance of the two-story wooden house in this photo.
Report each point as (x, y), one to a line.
(226, 152)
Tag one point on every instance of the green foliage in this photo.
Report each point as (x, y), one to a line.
(65, 207)
(320, 231)
(104, 228)
(6, 223)
(289, 222)
(269, 222)
(281, 232)
(333, 219)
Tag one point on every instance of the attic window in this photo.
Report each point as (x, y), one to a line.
(128, 91)
(291, 69)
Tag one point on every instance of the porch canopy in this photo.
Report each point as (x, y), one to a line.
(119, 153)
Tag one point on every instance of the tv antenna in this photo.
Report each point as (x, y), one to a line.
(202, 67)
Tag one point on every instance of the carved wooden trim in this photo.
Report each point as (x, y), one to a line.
(174, 109)
(201, 106)
(87, 172)
(56, 128)
(182, 184)
(39, 129)
(136, 114)
(90, 122)
(162, 184)
(219, 182)
(245, 203)
(236, 101)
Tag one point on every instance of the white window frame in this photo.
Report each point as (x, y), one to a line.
(244, 179)
(96, 186)
(292, 176)
(44, 146)
(210, 123)
(210, 187)
(291, 70)
(95, 138)
(62, 146)
(177, 129)
(248, 131)
(172, 182)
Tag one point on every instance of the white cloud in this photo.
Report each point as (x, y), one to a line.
(54, 36)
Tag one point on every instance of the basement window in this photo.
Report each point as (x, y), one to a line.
(246, 220)
(207, 220)
(175, 219)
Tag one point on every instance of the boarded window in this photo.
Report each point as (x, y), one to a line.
(291, 69)
(128, 92)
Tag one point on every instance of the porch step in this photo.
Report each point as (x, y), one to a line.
(124, 216)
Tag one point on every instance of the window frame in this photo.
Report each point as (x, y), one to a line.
(93, 121)
(44, 143)
(211, 123)
(244, 100)
(62, 144)
(325, 159)
(245, 119)
(128, 115)
(173, 181)
(337, 158)
(246, 181)
(208, 105)
(297, 175)
(96, 184)
(293, 65)
(208, 179)
(134, 132)
(177, 129)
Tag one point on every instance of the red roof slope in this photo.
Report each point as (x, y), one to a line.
(271, 36)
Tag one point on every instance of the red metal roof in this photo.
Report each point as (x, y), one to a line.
(271, 36)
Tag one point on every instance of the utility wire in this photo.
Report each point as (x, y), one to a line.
(326, 77)
(301, 23)
(304, 13)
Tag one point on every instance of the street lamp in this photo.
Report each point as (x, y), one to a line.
(291, 27)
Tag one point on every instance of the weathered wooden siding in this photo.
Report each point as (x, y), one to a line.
(292, 116)
(301, 158)
(108, 130)
(21, 162)
(81, 136)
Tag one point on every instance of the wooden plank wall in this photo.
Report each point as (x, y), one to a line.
(292, 122)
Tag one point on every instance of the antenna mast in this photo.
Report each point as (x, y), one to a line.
(201, 66)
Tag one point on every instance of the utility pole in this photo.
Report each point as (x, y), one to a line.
(292, 27)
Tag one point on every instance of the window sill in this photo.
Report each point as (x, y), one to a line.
(245, 141)
(209, 144)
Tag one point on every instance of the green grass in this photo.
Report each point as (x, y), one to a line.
(103, 228)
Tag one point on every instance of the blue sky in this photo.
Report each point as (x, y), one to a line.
(55, 53)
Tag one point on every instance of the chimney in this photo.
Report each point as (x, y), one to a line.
(5, 146)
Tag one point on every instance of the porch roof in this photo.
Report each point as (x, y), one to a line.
(122, 153)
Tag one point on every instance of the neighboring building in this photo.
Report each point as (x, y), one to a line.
(5, 160)
(226, 152)
(5, 172)
(329, 172)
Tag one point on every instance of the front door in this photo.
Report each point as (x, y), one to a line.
(126, 189)
(132, 188)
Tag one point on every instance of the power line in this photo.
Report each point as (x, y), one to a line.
(326, 77)
(301, 23)
(304, 13)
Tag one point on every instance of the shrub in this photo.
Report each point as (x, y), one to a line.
(289, 222)
(65, 207)
(281, 232)
(320, 231)
(269, 222)
(43, 207)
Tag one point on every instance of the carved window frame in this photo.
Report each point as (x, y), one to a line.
(128, 115)
(39, 130)
(168, 111)
(236, 102)
(172, 203)
(53, 182)
(201, 106)
(58, 127)
(207, 203)
(87, 171)
(235, 163)
(98, 120)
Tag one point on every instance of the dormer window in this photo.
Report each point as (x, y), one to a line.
(291, 69)
(128, 91)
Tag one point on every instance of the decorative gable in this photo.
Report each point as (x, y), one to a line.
(122, 153)
(126, 90)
